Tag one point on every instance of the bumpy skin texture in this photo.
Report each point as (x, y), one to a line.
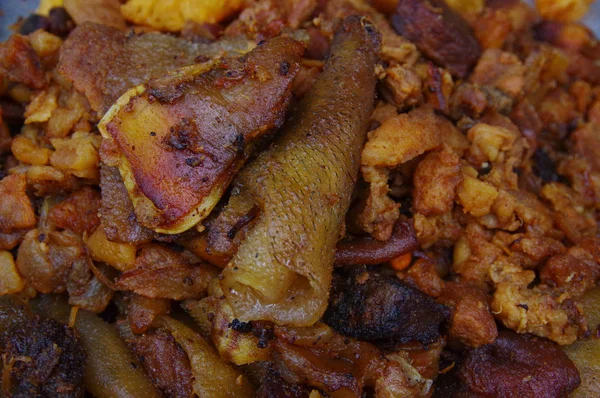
(302, 186)
(439, 32)
(184, 136)
(42, 358)
(368, 305)
(522, 366)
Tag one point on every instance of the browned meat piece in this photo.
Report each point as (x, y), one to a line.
(78, 212)
(16, 211)
(86, 291)
(45, 259)
(575, 271)
(439, 32)
(142, 311)
(20, 63)
(163, 273)
(183, 137)
(436, 178)
(472, 322)
(102, 62)
(273, 386)
(165, 362)
(514, 366)
(370, 252)
(42, 358)
(369, 305)
(118, 218)
(341, 366)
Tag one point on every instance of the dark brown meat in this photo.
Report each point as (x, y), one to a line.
(103, 62)
(472, 322)
(42, 358)
(439, 32)
(165, 362)
(142, 311)
(184, 136)
(20, 63)
(118, 218)
(514, 366)
(368, 305)
(273, 386)
(78, 212)
(368, 251)
(163, 273)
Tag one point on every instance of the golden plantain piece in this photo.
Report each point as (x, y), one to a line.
(183, 137)
(172, 14)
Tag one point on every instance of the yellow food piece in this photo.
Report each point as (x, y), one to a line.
(118, 255)
(10, 281)
(171, 14)
(563, 10)
(467, 6)
(47, 5)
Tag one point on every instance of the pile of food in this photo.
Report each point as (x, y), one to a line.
(300, 198)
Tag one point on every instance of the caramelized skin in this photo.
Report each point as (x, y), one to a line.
(103, 62)
(183, 137)
(302, 186)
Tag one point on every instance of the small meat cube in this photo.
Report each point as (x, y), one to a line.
(16, 211)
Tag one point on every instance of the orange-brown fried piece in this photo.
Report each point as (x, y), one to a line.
(184, 137)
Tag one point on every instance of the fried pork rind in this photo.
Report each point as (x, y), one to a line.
(171, 14)
(183, 137)
(302, 186)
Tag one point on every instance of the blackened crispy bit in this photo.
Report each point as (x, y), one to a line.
(439, 32)
(522, 366)
(370, 252)
(367, 305)
(44, 358)
(302, 185)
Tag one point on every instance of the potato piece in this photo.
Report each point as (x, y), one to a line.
(10, 280)
(78, 155)
(563, 10)
(172, 14)
(475, 196)
(119, 255)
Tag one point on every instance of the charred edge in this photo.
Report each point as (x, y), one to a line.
(242, 222)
